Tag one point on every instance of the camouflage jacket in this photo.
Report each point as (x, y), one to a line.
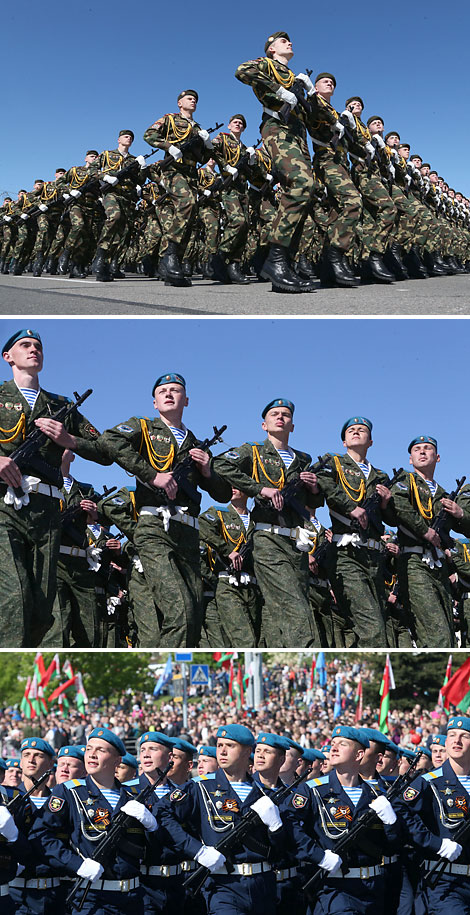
(265, 76)
(175, 130)
(320, 125)
(412, 526)
(120, 509)
(79, 178)
(112, 161)
(223, 530)
(75, 534)
(346, 487)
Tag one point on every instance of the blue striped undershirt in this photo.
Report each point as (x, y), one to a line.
(465, 781)
(242, 789)
(68, 483)
(316, 523)
(246, 520)
(180, 434)
(432, 486)
(38, 801)
(30, 395)
(287, 455)
(161, 790)
(365, 467)
(111, 796)
(354, 794)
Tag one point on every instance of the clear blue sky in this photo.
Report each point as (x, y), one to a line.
(410, 377)
(77, 73)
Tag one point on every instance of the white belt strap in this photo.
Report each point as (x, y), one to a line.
(361, 873)
(36, 883)
(355, 540)
(271, 114)
(115, 886)
(72, 551)
(246, 869)
(30, 484)
(164, 512)
(4, 890)
(427, 556)
(460, 869)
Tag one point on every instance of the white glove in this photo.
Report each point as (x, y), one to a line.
(207, 193)
(138, 190)
(175, 152)
(75, 194)
(268, 813)
(10, 498)
(43, 208)
(24, 216)
(137, 564)
(112, 603)
(349, 117)
(339, 128)
(285, 96)
(110, 179)
(449, 850)
(252, 154)
(89, 869)
(371, 149)
(391, 169)
(379, 140)
(141, 160)
(395, 156)
(231, 170)
(303, 78)
(204, 135)
(209, 857)
(384, 810)
(7, 825)
(304, 541)
(331, 862)
(67, 196)
(269, 178)
(93, 555)
(7, 219)
(140, 813)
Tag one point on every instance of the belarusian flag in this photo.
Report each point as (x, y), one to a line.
(81, 698)
(448, 674)
(33, 694)
(26, 706)
(62, 688)
(224, 659)
(230, 681)
(388, 683)
(312, 672)
(457, 690)
(237, 688)
(39, 668)
(52, 672)
(67, 669)
(358, 701)
(41, 700)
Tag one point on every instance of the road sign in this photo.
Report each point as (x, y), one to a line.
(199, 674)
(183, 656)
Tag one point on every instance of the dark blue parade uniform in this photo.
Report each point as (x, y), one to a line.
(37, 889)
(74, 819)
(432, 807)
(288, 880)
(12, 853)
(321, 812)
(209, 809)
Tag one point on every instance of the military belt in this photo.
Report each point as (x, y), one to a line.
(33, 484)
(247, 580)
(271, 114)
(291, 532)
(115, 886)
(392, 859)
(361, 873)
(180, 516)
(4, 890)
(421, 550)
(462, 870)
(168, 870)
(285, 874)
(72, 551)
(37, 883)
(355, 540)
(246, 869)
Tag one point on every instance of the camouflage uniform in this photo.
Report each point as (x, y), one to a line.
(379, 211)
(47, 223)
(209, 211)
(118, 202)
(281, 569)
(30, 537)
(8, 235)
(25, 228)
(82, 237)
(227, 150)
(168, 547)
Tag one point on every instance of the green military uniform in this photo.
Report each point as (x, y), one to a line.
(168, 545)
(85, 214)
(8, 235)
(30, 537)
(379, 211)
(212, 635)
(424, 576)
(47, 222)
(281, 568)
(118, 204)
(461, 564)
(328, 623)
(237, 597)
(26, 227)
(209, 213)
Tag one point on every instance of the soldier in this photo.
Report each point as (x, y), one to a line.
(280, 543)
(30, 525)
(70, 764)
(311, 763)
(50, 205)
(25, 223)
(438, 750)
(206, 761)
(286, 144)
(80, 243)
(209, 214)
(127, 768)
(166, 536)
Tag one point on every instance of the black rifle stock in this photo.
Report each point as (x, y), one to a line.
(181, 471)
(372, 507)
(16, 803)
(290, 490)
(440, 524)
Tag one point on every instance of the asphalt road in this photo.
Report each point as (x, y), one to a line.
(133, 295)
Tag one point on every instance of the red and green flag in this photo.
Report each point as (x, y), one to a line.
(224, 658)
(81, 699)
(39, 670)
(456, 691)
(447, 677)
(62, 688)
(358, 701)
(52, 672)
(388, 683)
(67, 669)
(26, 706)
(312, 672)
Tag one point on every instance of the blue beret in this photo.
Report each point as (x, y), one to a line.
(311, 754)
(3, 764)
(356, 421)
(427, 439)
(426, 751)
(75, 752)
(272, 740)
(156, 737)
(393, 747)
(184, 745)
(342, 730)
(237, 732)
(410, 755)
(165, 379)
(293, 745)
(374, 734)
(109, 737)
(207, 751)
(20, 335)
(13, 763)
(278, 402)
(459, 722)
(439, 739)
(37, 743)
(129, 760)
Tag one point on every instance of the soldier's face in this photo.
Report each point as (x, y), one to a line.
(236, 126)
(281, 47)
(268, 759)
(355, 107)
(325, 87)
(315, 767)
(372, 753)
(345, 752)
(291, 761)
(376, 126)
(25, 354)
(387, 763)
(126, 140)
(13, 777)
(278, 419)
(182, 765)
(90, 159)
(458, 746)
(154, 756)
(169, 396)
(357, 435)
(206, 764)
(425, 171)
(439, 755)
(416, 161)
(69, 767)
(404, 152)
(393, 141)
(424, 457)
(187, 105)
(101, 757)
(34, 763)
(229, 752)
(124, 772)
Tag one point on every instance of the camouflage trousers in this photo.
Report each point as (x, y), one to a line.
(209, 216)
(347, 204)
(212, 635)
(149, 242)
(24, 243)
(239, 613)
(58, 243)
(75, 611)
(281, 571)
(8, 241)
(47, 227)
(29, 552)
(426, 595)
(170, 560)
(407, 219)
(290, 157)
(359, 587)
(81, 238)
(116, 231)
(143, 613)
(333, 630)
(179, 214)
(378, 214)
(235, 234)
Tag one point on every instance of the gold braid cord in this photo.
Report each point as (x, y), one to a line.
(160, 462)
(285, 81)
(179, 134)
(258, 464)
(228, 539)
(425, 513)
(14, 432)
(348, 488)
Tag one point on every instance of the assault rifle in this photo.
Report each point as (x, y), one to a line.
(73, 512)
(222, 184)
(440, 523)
(182, 470)
(298, 88)
(290, 490)
(185, 147)
(16, 803)
(241, 831)
(372, 507)
(347, 841)
(25, 456)
(107, 846)
(461, 835)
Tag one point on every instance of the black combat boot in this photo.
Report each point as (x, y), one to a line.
(37, 266)
(101, 266)
(433, 268)
(235, 274)
(219, 268)
(207, 271)
(378, 269)
(186, 268)
(304, 267)
(276, 268)
(63, 263)
(52, 266)
(16, 268)
(414, 265)
(333, 270)
(114, 270)
(170, 268)
(394, 261)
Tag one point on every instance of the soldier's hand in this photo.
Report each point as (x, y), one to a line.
(236, 560)
(8, 827)
(268, 813)
(139, 812)
(89, 869)
(113, 544)
(385, 493)
(285, 96)
(379, 140)
(307, 82)
(449, 850)
(43, 208)
(110, 179)
(75, 193)
(348, 115)
(210, 858)
(313, 564)
(232, 171)
(166, 482)
(203, 461)
(392, 548)
(310, 480)
(268, 492)
(455, 510)
(10, 472)
(90, 508)
(329, 535)
(330, 862)
(433, 537)
(360, 515)
(56, 432)
(142, 161)
(175, 152)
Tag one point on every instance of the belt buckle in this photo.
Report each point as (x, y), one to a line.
(185, 866)
(41, 883)
(74, 550)
(247, 869)
(364, 873)
(124, 886)
(165, 870)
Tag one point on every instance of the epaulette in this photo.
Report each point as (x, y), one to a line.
(203, 778)
(253, 443)
(75, 782)
(142, 417)
(435, 774)
(220, 508)
(131, 783)
(323, 780)
(133, 788)
(59, 397)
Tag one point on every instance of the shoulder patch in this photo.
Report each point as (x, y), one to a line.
(401, 486)
(55, 804)
(177, 795)
(299, 801)
(317, 781)
(427, 776)
(208, 516)
(123, 427)
(233, 455)
(75, 782)
(410, 794)
(117, 501)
